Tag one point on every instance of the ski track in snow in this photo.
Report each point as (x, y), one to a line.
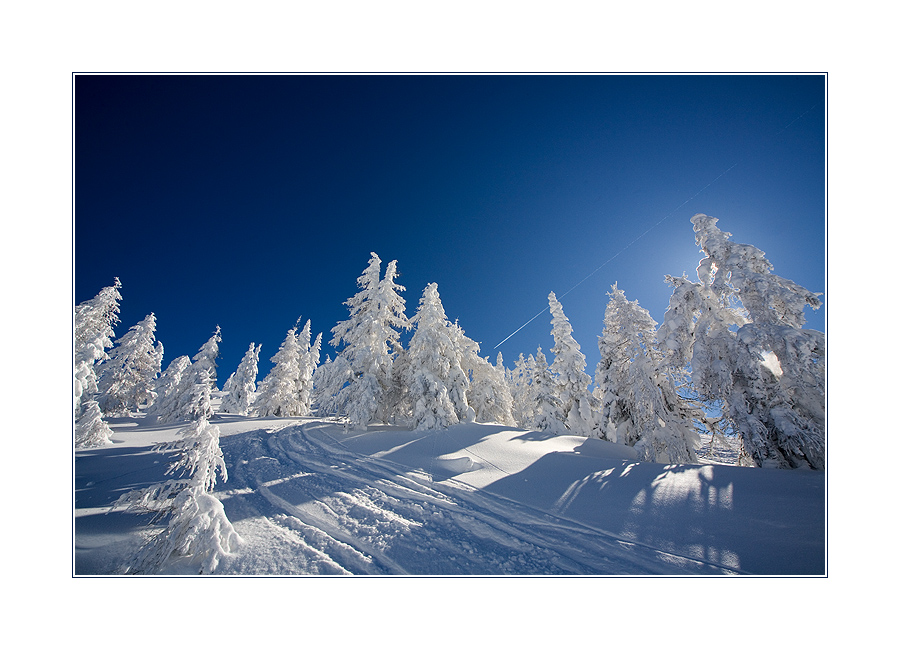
(306, 505)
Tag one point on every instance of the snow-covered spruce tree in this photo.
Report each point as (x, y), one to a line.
(186, 401)
(578, 406)
(197, 530)
(329, 380)
(167, 388)
(740, 328)
(506, 389)
(433, 375)
(521, 388)
(308, 362)
(241, 385)
(506, 374)
(205, 359)
(278, 393)
(127, 376)
(90, 429)
(199, 406)
(371, 341)
(547, 414)
(93, 333)
(489, 393)
(461, 388)
(640, 406)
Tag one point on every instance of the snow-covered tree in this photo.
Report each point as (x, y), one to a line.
(489, 393)
(640, 406)
(198, 530)
(205, 359)
(199, 406)
(329, 380)
(371, 341)
(240, 388)
(486, 391)
(278, 393)
(167, 388)
(461, 386)
(90, 429)
(180, 395)
(200, 458)
(128, 374)
(308, 362)
(433, 375)
(740, 328)
(520, 386)
(287, 391)
(548, 407)
(93, 333)
(572, 382)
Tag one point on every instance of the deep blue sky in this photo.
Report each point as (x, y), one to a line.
(248, 201)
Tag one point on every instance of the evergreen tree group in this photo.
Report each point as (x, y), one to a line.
(93, 333)
(287, 389)
(740, 330)
(184, 390)
(731, 354)
(731, 342)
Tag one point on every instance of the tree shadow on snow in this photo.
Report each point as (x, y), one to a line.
(104, 539)
(536, 436)
(103, 474)
(729, 516)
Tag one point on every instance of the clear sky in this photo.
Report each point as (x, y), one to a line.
(250, 201)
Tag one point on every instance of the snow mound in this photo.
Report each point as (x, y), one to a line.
(455, 466)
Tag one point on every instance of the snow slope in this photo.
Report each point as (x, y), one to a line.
(475, 499)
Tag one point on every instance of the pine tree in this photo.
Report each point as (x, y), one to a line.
(433, 375)
(205, 359)
(489, 394)
(307, 364)
(186, 399)
(504, 396)
(548, 406)
(486, 393)
(90, 429)
(93, 332)
(241, 385)
(572, 382)
(521, 388)
(128, 375)
(329, 380)
(278, 394)
(197, 529)
(167, 388)
(199, 405)
(371, 341)
(741, 330)
(640, 406)
(461, 380)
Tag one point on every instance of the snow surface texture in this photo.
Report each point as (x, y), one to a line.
(308, 497)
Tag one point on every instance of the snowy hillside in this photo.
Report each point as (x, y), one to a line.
(306, 497)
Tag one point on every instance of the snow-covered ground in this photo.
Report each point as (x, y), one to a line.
(307, 498)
